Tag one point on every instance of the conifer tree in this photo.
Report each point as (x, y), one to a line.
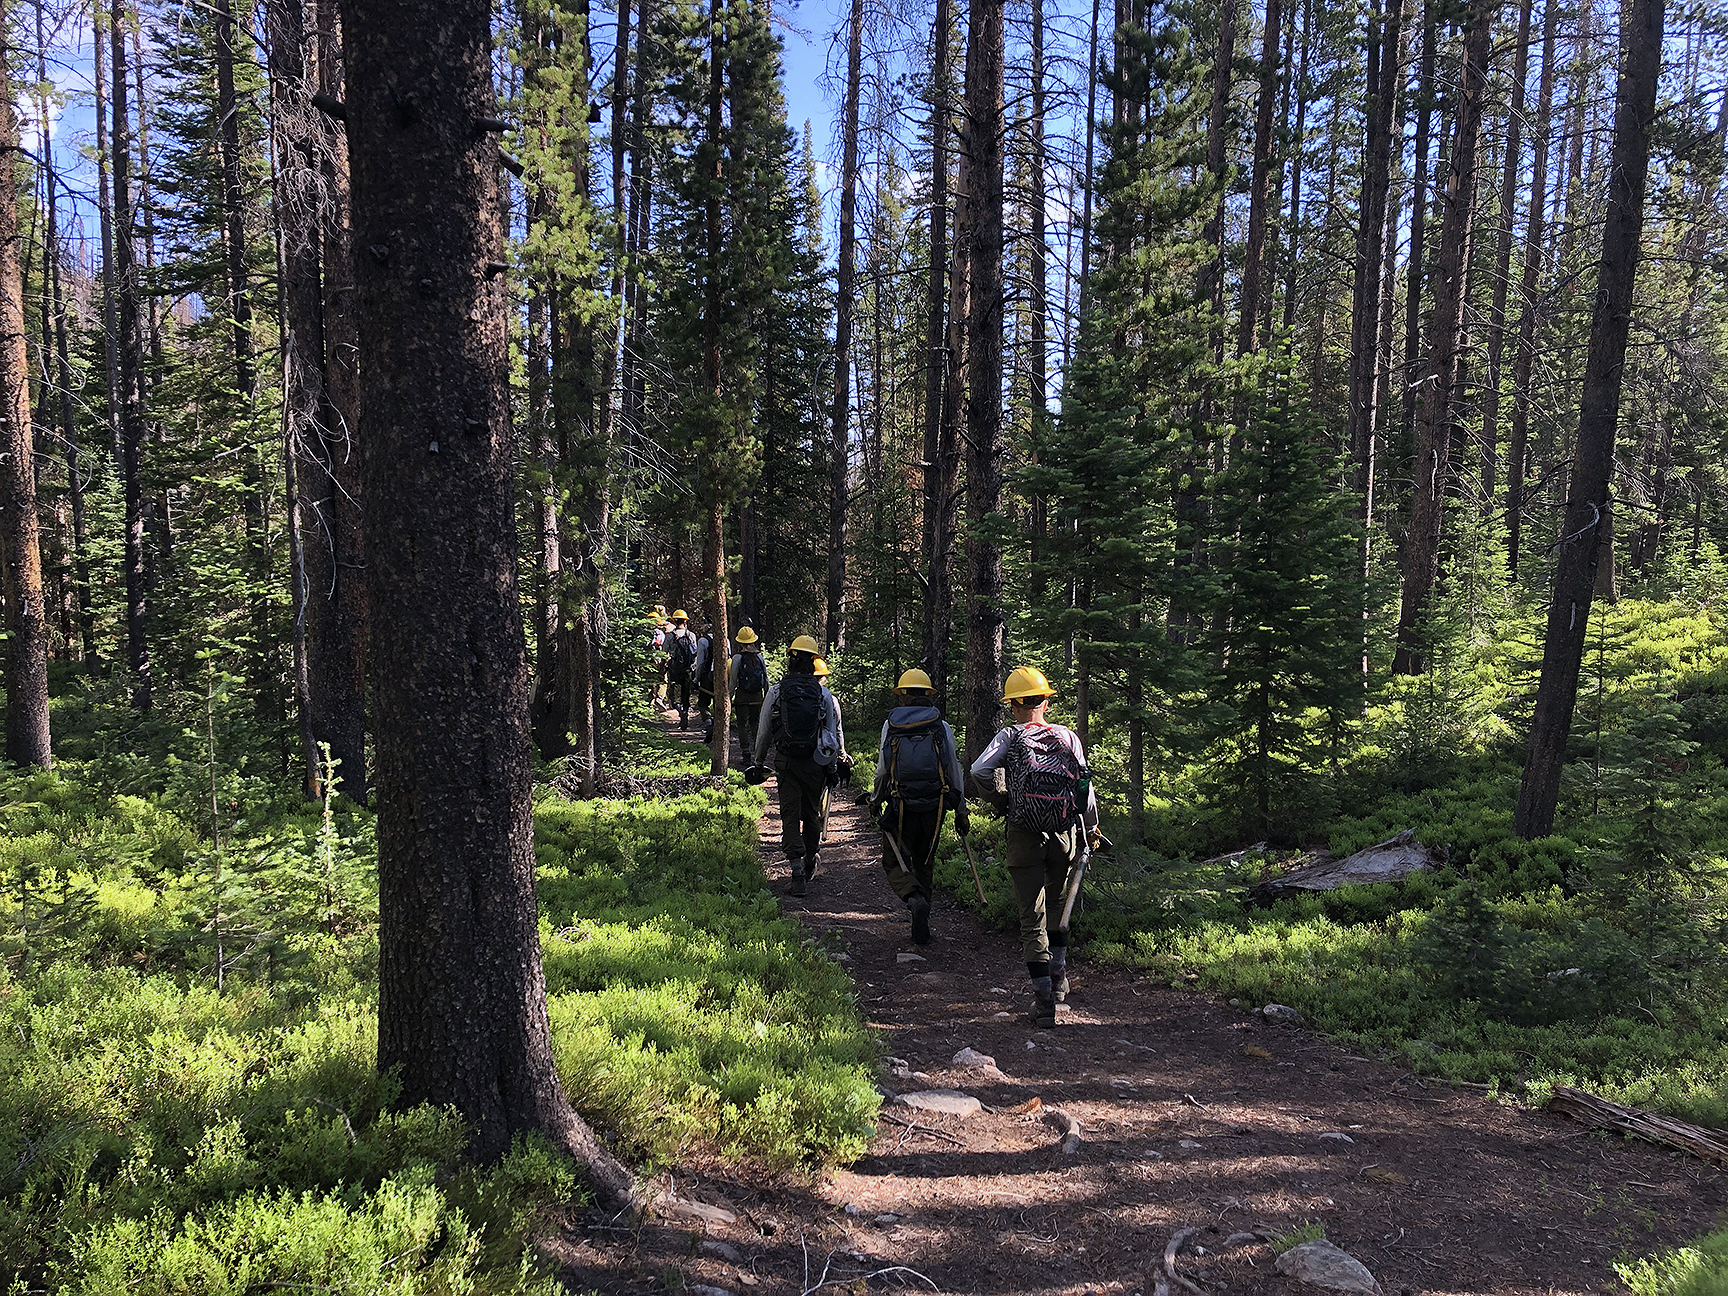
(1286, 605)
(1131, 405)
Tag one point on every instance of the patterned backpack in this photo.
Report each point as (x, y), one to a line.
(1043, 780)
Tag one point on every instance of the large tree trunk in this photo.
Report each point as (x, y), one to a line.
(1524, 363)
(1037, 304)
(129, 348)
(715, 548)
(296, 183)
(953, 413)
(1445, 346)
(462, 996)
(1414, 270)
(985, 622)
(1254, 255)
(1382, 69)
(101, 56)
(1298, 149)
(1503, 258)
(63, 366)
(336, 609)
(936, 357)
(27, 740)
(1587, 510)
(844, 281)
(1217, 160)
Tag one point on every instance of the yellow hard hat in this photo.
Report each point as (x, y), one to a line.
(746, 636)
(680, 615)
(804, 643)
(820, 668)
(914, 679)
(1025, 682)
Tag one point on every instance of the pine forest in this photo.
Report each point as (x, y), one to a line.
(443, 438)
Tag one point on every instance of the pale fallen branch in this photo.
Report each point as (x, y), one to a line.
(1662, 1130)
(1172, 1248)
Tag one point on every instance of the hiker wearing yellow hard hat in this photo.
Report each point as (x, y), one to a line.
(1046, 796)
(801, 722)
(918, 780)
(681, 664)
(749, 678)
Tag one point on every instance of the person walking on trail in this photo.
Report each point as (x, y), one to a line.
(918, 780)
(1046, 797)
(749, 676)
(842, 767)
(802, 723)
(657, 658)
(707, 658)
(680, 665)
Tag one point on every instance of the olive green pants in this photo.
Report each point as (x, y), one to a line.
(1038, 865)
(915, 833)
(802, 785)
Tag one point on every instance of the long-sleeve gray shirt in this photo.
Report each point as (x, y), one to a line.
(910, 715)
(768, 728)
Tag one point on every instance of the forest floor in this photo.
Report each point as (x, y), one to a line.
(1193, 1115)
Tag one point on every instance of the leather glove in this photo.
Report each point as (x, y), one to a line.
(756, 774)
(1094, 839)
(963, 821)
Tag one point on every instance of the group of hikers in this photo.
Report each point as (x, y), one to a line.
(1033, 772)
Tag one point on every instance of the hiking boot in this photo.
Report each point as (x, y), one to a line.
(1043, 1002)
(797, 877)
(920, 920)
(1059, 972)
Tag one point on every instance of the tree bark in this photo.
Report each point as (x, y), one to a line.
(1503, 258)
(1445, 346)
(1217, 161)
(845, 276)
(27, 737)
(296, 184)
(63, 368)
(1254, 255)
(1588, 514)
(1414, 270)
(1382, 70)
(462, 997)
(336, 608)
(1298, 149)
(985, 622)
(719, 749)
(101, 55)
(1524, 362)
(936, 357)
(129, 348)
(953, 413)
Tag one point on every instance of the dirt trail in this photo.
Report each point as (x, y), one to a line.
(1192, 1114)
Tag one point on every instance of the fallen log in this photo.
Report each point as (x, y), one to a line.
(1386, 861)
(1599, 1113)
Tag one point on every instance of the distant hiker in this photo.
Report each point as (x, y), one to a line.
(681, 664)
(749, 676)
(1052, 818)
(655, 647)
(842, 767)
(801, 721)
(918, 780)
(703, 675)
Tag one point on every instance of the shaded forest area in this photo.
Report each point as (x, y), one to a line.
(1330, 402)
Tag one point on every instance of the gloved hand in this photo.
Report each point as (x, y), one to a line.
(1095, 839)
(963, 821)
(845, 762)
(756, 774)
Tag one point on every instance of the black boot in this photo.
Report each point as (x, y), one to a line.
(1043, 1003)
(1059, 972)
(797, 876)
(920, 919)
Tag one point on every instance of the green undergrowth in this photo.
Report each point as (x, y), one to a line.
(188, 1030)
(1700, 1269)
(1596, 957)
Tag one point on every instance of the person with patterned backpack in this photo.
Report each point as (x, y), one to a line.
(918, 780)
(1046, 797)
